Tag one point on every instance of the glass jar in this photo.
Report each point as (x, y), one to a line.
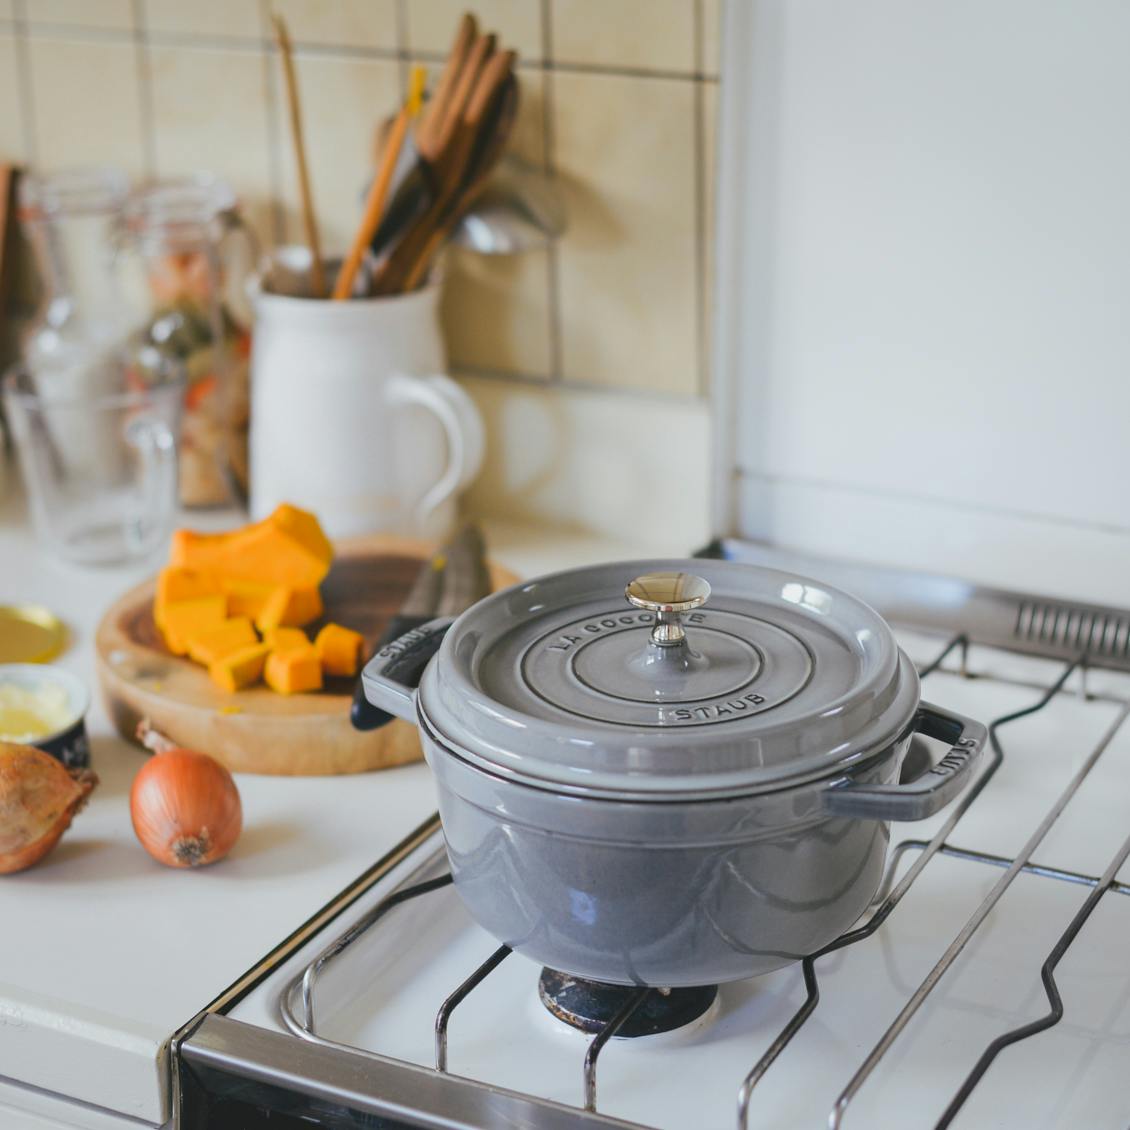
(71, 348)
(182, 255)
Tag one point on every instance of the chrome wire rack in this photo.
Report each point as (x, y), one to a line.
(298, 999)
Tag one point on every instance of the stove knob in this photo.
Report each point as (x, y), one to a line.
(668, 595)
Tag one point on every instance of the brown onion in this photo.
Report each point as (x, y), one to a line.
(184, 806)
(38, 798)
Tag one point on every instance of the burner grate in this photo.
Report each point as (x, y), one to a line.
(890, 895)
(1021, 862)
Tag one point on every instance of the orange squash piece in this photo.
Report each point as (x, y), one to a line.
(180, 584)
(287, 548)
(245, 598)
(284, 639)
(185, 618)
(294, 669)
(241, 668)
(339, 649)
(213, 644)
(290, 608)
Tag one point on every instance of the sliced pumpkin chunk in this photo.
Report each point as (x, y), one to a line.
(283, 639)
(180, 584)
(340, 650)
(245, 598)
(286, 548)
(212, 644)
(240, 668)
(185, 618)
(293, 670)
(290, 608)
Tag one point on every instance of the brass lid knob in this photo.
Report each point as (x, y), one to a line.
(668, 595)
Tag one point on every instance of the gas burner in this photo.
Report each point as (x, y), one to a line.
(591, 1005)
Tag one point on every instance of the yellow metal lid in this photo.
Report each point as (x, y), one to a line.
(30, 633)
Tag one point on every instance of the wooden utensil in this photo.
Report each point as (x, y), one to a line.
(427, 135)
(282, 38)
(473, 185)
(471, 145)
(378, 191)
(256, 730)
(9, 348)
(413, 178)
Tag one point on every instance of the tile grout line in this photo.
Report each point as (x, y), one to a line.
(702, 383)
(145, 90)
(403, 41)
(164, 38)
(27, 95)
(549, 155)
(540, 381)
(274, 141)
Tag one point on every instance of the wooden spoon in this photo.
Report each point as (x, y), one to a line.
(427, 134)
(317, 277)
(459, 166)
(474, 184)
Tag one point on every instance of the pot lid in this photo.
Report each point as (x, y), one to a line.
(669, 677)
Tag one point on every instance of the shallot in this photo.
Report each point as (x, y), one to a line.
(184, 805)
(38, 798)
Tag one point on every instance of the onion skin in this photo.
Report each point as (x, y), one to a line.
(185, 809)
(38, 799)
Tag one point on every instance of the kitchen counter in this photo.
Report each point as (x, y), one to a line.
(105, 953)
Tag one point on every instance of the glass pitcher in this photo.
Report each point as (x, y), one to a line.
(182, 255)
(100, 466)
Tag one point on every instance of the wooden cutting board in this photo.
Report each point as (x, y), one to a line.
(257, 730)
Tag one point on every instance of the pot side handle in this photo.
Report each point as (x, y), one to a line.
(934, 789)
(390, 678)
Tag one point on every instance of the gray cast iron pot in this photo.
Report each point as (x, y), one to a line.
(657, 793)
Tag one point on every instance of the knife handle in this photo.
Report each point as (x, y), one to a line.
(363, 714)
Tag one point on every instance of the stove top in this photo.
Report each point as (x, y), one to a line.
(987, 986)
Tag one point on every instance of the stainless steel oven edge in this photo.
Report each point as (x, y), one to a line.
(1026, 623)
(229, 1070)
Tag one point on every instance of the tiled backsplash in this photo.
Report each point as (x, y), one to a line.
(577, 355)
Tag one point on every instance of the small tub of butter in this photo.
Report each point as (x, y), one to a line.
(45, 707)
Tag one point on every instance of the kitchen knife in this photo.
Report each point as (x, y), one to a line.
(448, 582)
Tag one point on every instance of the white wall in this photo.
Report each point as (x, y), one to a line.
(925, 240)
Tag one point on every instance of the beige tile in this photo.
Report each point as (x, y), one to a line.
(342, 102)
(652, 34)
(218, 18)
(84, 13)
(11, 122)
(347, 23)
(590, 461)
(432, 24)
(86, 101)
(6, 10)
(210, 107)
(711, 39)
(496, 312)
(625, 153)
(709, 110)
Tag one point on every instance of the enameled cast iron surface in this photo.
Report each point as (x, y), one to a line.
(594, 827)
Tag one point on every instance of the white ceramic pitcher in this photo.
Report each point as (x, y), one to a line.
(354, 417)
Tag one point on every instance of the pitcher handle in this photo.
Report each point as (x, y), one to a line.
(461, 423)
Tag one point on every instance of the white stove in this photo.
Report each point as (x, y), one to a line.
(898, 1025)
